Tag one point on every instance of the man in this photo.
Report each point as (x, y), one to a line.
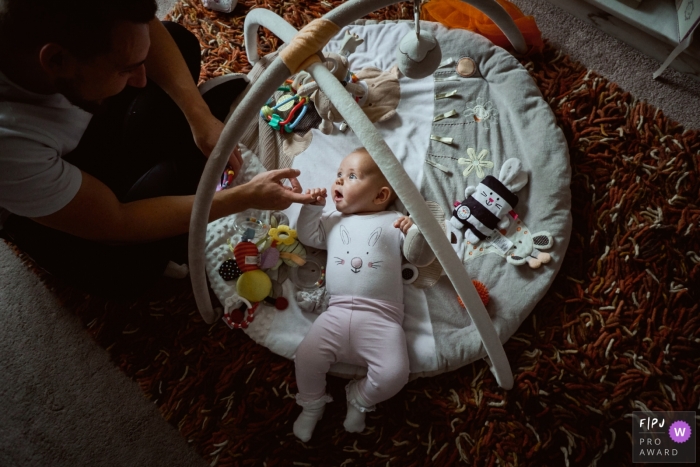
(103, 138)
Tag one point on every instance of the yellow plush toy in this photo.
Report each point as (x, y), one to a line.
(292, 252)
(254, 285)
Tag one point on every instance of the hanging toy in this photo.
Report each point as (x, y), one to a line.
(269, 258)
(283, 234)
(241, 317)
(482, 290)
(280, 303)
(254, 285)
(300, 105)
(226, 178)
(229, 270)
(247, 256)
(291, 251)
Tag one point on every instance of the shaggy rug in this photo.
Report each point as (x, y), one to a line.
(617, 332)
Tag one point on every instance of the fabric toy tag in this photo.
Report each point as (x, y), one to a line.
(499, 241)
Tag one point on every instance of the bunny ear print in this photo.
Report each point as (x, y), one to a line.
(512, 175)
(344, 235)
(374, 236)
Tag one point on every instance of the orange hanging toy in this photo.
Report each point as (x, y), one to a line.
(457, 14)
(481, 289)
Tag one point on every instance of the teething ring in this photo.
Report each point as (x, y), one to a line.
(283, 234)
(321, 280)
(247, 317)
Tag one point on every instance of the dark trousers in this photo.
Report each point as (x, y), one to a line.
(141, 146)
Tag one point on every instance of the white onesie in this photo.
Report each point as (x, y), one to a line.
(363, 323)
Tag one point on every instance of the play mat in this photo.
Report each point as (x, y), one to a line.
(474, 129)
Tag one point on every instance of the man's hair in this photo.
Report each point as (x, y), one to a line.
(83, 27)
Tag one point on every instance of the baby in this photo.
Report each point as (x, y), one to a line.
(363, 323)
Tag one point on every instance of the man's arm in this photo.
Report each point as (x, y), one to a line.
(167, 68)
(95, 213)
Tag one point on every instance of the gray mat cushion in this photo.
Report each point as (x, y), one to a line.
(512, 121)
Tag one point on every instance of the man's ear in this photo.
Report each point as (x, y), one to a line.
(382, 196)
(56, 61)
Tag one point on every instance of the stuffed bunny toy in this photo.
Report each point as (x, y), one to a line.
(487, 205)
(336, 62)
(376, 91)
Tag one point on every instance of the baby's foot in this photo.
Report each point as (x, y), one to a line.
(354, 420)
(307, 419)
(357, 408)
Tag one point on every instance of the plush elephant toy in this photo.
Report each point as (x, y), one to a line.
(376, 91)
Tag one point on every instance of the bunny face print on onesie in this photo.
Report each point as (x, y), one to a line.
(366, 258)
(356, 262)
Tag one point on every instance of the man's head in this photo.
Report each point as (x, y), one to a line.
(87, 50)
(360, 187)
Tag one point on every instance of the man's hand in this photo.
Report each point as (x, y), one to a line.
(318, 196)
(266, 190)
(207, 131)
(404, 223)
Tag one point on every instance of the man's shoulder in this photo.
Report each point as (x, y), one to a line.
(27, 124)
(47, 119)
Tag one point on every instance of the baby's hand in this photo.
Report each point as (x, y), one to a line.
(404, 223)
(318, 195)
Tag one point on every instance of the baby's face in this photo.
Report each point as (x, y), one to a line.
(357, 184)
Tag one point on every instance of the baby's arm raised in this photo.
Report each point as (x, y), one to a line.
(404, 223)
(310, 229)
(318, 195)
(415, 248)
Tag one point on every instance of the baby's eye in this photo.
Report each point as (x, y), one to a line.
(339, 174)
(352, 176)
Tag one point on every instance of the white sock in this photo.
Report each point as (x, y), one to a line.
(176, 271)
(307, 419)
(357, 409)
(354, 420)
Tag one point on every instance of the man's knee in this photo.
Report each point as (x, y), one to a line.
(188, 45)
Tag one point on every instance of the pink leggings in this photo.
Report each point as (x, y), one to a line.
(359, 331)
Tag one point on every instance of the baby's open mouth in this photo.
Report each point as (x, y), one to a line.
(337, 195)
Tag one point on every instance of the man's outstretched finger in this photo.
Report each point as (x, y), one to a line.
(280, 174)
(296, 186)
(299, 197)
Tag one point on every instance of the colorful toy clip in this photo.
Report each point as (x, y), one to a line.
(276, 121)
(226, 178)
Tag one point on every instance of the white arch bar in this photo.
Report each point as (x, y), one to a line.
(408, 193)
